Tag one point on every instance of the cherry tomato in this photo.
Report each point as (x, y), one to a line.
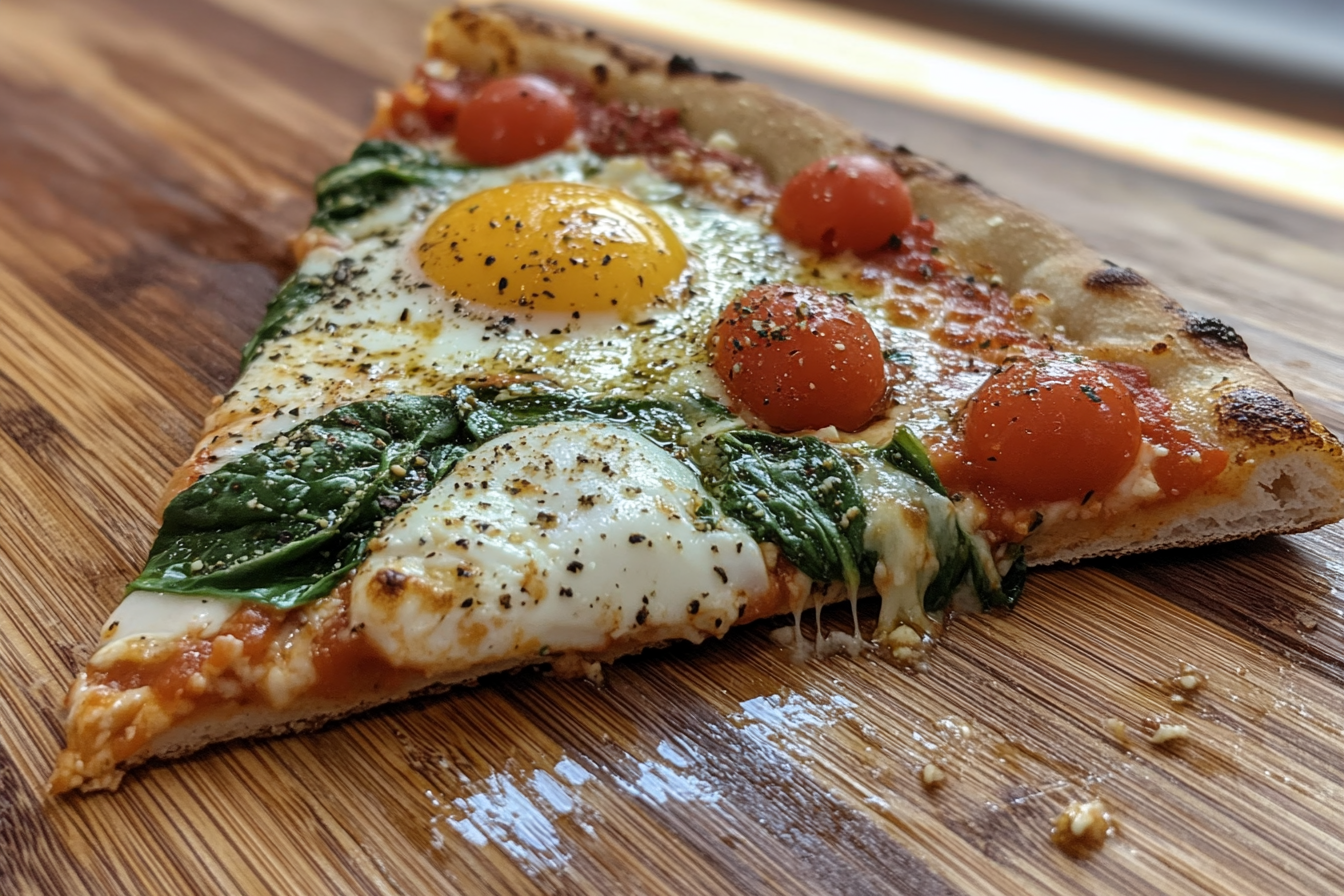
(1052, 429)
(512, 119)
(800, 358)
(855, 203)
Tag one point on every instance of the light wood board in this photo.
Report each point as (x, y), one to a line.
(155, 155)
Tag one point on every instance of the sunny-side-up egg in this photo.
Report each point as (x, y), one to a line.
(594, 275)
(563, 538)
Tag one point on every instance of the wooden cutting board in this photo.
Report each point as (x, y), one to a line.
(154, 156)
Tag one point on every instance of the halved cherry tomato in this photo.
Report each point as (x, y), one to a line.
(854, 203)
(1051, 429)
(800, 358)
(513, 119)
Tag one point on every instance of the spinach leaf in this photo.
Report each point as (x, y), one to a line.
(906, 453)
(1006, 591)
(798, 493)
(960, 553)
(377, 171)
(486, 415)
(284, 523)
(953, 548)
(293, 297)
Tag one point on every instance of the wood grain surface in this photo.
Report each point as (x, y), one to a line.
(154, 156)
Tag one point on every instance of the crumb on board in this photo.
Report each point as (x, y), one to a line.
(1116, 729)
(908, 647)
(1189, 678)
(1082, 828)
(1307, 621)
(1160, 732)
(931, 776)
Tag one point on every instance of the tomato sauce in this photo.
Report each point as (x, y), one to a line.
(345, 663)
(1189, 463)
(428, 106)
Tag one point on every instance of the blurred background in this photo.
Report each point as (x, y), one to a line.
(1282, 55)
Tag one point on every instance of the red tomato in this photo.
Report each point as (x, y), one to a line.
(1051, 429)
(513, 119)
(800, 358)
(427, 104)
(443, 99)
(855, 203)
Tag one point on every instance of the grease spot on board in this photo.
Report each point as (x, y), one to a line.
(531, 815)
(517, 812)
(669, 779)
(777, 719)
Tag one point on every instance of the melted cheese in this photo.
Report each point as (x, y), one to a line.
(904, 519)
(150, 615)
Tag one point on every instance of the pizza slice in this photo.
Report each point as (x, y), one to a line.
(588, 350)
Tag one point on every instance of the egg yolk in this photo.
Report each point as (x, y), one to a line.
(545, 246)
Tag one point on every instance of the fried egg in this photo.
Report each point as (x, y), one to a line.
(595, 275)
(557, 539)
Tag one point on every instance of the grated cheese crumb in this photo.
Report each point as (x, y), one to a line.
(1116, 729)
(1189, 678)
(1167, 732)
(722, 140)
(1082, 827)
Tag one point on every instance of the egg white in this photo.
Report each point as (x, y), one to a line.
(556, 539)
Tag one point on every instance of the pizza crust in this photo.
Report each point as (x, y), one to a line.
(1287, 470)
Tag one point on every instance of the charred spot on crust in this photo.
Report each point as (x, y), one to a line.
(962, 178)
(682, 65)
(686, 65)
(480, 30)
(1114, 277)
(1213, 332)
(634, 63)
(600, 74)
(904, 161)
(1263, 419)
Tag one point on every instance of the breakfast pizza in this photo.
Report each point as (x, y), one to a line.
(589, 350)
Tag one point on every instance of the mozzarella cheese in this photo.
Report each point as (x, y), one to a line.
(561, 538)
(150, 614)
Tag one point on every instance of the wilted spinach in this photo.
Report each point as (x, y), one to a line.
(797, 492)
(282, 524)
(377, 171)
(293, 297)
